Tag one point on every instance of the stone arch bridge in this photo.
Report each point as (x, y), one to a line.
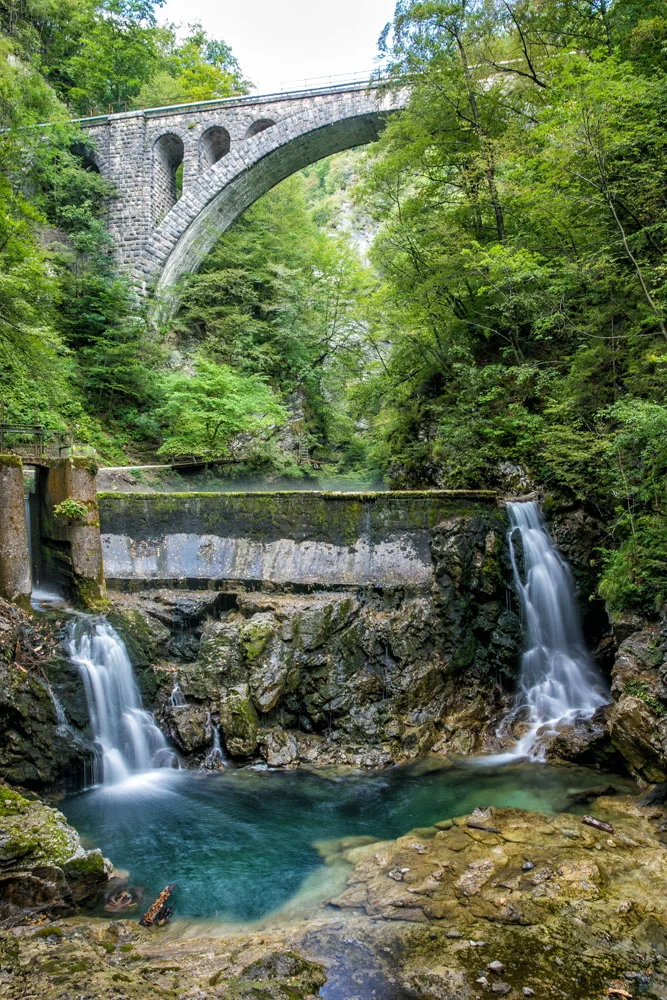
(231, 153)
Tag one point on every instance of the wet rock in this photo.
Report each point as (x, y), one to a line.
(278, 748)
(35, 750)
(187, 727)
(43, 868)
(587, 742)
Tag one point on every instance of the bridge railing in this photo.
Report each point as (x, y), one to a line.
(324, 89)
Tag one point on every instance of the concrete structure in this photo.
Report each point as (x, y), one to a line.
(15, 582)
(239, 541)
(231, 151)
(70, 547)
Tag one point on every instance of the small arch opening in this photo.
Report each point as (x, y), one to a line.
(213, 145)
(168, 152)
(259, 126)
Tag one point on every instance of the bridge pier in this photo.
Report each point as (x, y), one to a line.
(15, 582)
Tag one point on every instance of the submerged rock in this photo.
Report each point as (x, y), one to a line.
(44, 871)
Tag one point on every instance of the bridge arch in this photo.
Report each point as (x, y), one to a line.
(223, 193)
(260, 125)
(214, 143)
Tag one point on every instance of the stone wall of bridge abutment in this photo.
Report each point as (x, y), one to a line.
(135, 150)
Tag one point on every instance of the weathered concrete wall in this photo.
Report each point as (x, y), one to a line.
(71, 549)
(301, 539)
(230, 159)
(15, 583)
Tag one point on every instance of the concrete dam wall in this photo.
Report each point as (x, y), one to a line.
(296, 539)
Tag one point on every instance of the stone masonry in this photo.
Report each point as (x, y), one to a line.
(232, 151)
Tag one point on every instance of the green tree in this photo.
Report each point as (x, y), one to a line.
(203, 411)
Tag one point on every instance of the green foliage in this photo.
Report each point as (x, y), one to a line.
(277, 297)
(197, 69)
(639, 689)
(73, 343)
(522, 231)
(203, 411)
(69, 509)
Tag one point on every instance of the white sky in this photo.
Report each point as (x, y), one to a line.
(285, 43)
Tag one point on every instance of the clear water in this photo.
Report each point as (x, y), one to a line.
(558, 681)
(241, 844)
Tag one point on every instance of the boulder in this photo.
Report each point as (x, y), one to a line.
(239, 723)
(44, 871)
(587, 742)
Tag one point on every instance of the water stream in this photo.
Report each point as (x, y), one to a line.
(558, 681)
(126, 737)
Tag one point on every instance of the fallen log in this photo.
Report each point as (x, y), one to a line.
(598, 824)
(154, 911)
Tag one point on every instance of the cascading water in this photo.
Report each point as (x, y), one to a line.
(177, 698)
(558, 681)
(215, 757)
(126, 736)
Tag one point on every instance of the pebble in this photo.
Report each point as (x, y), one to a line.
(454, 933)
(501, 988)
(483, 981)
(496, 966)
(528, 866)
(527, 992)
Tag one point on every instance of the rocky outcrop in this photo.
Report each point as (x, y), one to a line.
(638, 718)
(44, 871)
(37, 747)
(361, 676)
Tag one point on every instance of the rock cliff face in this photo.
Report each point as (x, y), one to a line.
(37, 749)
(638, 717)
(362, 676)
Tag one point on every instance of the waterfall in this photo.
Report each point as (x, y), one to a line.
(215, 757)
(558, 682)
(126, 736)
(177, 698)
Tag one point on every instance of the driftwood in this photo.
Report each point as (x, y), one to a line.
(480, 826)
(158, 913)
(598, 824)
(581, 798)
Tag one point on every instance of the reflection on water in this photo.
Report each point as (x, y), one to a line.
(240, 844)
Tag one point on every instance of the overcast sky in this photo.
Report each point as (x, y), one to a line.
(282, 43)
